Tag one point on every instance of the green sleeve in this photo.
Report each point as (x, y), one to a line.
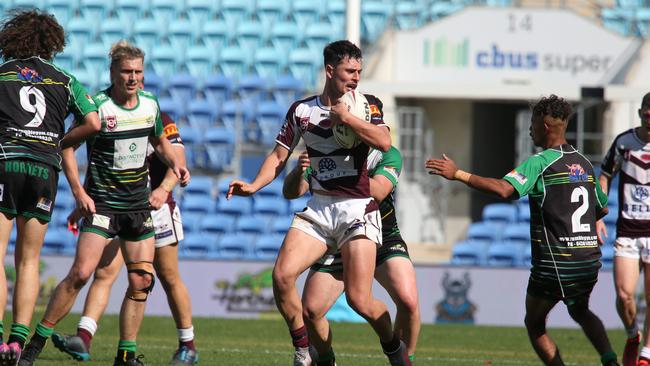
(390, 166)
(307, 173)
(523, 177)
(601, 197)
(80, 102)
(158, 130)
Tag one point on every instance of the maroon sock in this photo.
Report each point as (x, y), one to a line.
(85, 336)
(188, 344)
(299, 337)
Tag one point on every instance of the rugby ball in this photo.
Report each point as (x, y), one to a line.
(357, 105)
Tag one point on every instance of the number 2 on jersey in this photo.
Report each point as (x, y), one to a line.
(577, 193)
(38, 107)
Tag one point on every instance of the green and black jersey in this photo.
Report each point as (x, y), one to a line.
(36, 98)
(564, 200)
(117, 177)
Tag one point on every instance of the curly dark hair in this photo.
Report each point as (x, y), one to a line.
(336, 51)
(554, 107)
(31, 33)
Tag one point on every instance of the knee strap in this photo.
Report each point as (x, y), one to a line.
(142, 268)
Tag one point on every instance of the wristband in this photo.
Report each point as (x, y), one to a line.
(462, 176)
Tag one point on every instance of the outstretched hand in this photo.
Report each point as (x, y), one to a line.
(183, 175)
(601, 231)
(240, 188)
(444, 167)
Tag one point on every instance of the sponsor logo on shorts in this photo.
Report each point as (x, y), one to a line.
(520, 178)
(101, 221)
(44, 204)
(164, 234)
(111, 122)
(397, 248)
(2, 191)
(148, 224)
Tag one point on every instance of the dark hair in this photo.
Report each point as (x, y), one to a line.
(645, 102)
(336, 51)
(31, 33)
(552, 106)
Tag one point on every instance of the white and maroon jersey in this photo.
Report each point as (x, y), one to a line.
(158, 169)
(338, 171)
(630, 156)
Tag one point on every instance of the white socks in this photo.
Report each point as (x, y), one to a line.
(88, 324)
(645, 353)
(186, 335)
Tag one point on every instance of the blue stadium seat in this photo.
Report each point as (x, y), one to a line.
(611, 217)
(164, 60)
(201, 184)
(234, 11)
(233, 112)
(201, 113)
(318, 35)
(286, 89)
(198, 203)
(469, 253)
(607, 259)
(200, 62)
(252, 88)
(285, 36)
(64, 203)
(523, 212)
(191, 221)
(298, 204)
(218, 224)
(181, 34)
(88, 79)
(236, 206)
(270, 11)
(223, 185)
(506, 254)
(255, 224)
(216, 34)
(305, 12)
(81, 30)
(95, 9)
(235, 246)
(130, 11)
(234, 62)
(268, 62)
(527, 257)
(517, 232)
(342, 312)
(612, 197)
(70, 57)
(199, 245)
(336, 13)
(219, 147)
(217, 88)
(269, 116)
(199, 11)
(500, 212)
(56, 240)
(163, 12)
(620, 20)
(304, 66)
(153, 83)
(146, 33)
(112, 30)
(268, 246)
(408, 14)
(374, 18)
(440, 9)
(182, 87)
(95, 58)
(250, 35)
(483, 231)
(281, 224)
(172, 107)
(270, 205)
(272, 190)
(62, 10)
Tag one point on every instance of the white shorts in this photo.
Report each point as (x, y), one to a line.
(167, 225)
(336, 220)
(634, 248)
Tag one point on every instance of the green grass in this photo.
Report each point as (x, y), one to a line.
(266, 343)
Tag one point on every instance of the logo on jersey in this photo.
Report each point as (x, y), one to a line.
(27, 74)
(374, 110)
(44, 204)
(303, 123)
(90, 99)
(111, 122)
(392, 171)
(640, 193)
(326, 165)
(520, 178)
(133, 146)
(577, 173)
(170, 130)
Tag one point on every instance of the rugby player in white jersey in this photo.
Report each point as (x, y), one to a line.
(341, 212)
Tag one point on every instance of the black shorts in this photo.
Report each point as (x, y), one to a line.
(333, 262)
(27, 188)
(548, 289)
(130, 226)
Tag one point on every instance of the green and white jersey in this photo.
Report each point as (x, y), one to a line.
(117, 177)
(564, 199)
(36, 97)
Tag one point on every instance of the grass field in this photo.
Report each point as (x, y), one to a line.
(267, 343)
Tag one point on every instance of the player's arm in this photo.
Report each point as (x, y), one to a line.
(380, 187)
(447, 168)
(270, 169)
(159, 195)
(373, 135)
(295, 184)
(88, 127)
(84, 109)
(85, 204)
(166, 153)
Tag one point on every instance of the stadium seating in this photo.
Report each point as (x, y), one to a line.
(270, 11)
(484, 232)
(199, 11)
(95, 9)
(234, 62)
(274, 206)
(163, 11)
(298, 204)
(147, 33)
(375, 16)
(238, 206)
(502, 213)
(164, 59)
(252, 89)
(201, 61)
(505, 254)
(181, 34)
(215, 34)
(198, 203)
(470, 253)
(217, 224)
(303, 65)
(62, 10)
(201, 114)
(608, 256)
(217, 88)
(234, 11)
(268, 246)
(199, 245)
(281, 225)
(182, 87)
(130, 11)
(268, 63)
(252, 224)
(235, 246)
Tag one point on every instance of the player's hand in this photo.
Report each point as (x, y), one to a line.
(85, 204)
(240, 188)
(183, 175)
(601, 231)
(339, 112)
(158, 197)
(303, 161)
(73, 221)
(444, 167)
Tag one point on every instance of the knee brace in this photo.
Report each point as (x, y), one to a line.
(144, 269)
